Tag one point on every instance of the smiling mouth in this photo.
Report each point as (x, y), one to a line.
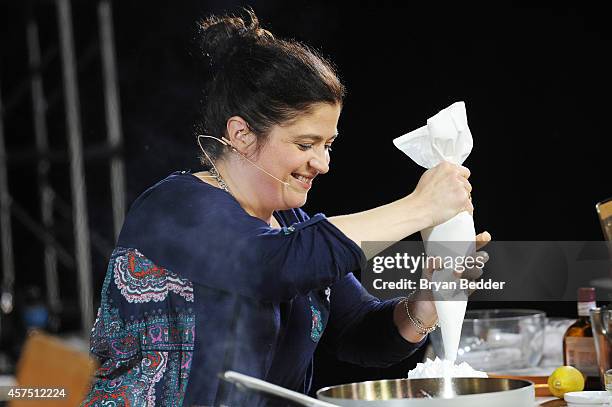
(306, 181)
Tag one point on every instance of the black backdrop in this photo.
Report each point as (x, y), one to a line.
(534, 79)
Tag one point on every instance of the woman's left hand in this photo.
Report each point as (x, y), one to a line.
(470, 273)
(421, 303)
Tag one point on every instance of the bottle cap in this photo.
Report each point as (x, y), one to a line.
(586, 294)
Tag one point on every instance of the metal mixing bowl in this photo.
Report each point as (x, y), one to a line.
(456, 392)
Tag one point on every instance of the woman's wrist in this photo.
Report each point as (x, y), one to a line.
(422, 310)
(421, 328)
(415, 317)
(415, 205)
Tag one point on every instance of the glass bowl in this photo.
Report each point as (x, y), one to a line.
(498, 339)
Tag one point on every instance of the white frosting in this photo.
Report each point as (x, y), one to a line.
(443, 368)
(450, 319)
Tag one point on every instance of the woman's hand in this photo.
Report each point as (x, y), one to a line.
(442, 192)
(421, 304)
(470, 273)
(445, 191)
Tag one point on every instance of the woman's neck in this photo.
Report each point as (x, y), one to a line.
(238, 181)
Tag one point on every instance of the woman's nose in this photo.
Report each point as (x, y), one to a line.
(320, 162)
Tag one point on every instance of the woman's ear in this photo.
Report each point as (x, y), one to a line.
(239, 134)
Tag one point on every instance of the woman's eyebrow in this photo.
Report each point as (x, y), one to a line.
(316, 137)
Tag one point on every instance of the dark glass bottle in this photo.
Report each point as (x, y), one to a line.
(578, 342)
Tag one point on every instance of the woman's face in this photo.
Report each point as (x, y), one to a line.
(296, 152)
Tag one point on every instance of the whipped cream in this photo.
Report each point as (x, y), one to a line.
(443, 368)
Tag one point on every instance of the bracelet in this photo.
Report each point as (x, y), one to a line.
(420, 328)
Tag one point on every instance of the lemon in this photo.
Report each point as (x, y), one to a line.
(565, 379)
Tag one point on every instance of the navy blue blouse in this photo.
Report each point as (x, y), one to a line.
(196, 286)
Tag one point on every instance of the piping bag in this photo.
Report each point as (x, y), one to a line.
(445, 137)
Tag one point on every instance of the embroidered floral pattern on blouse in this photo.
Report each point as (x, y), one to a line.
(140, 280)
(316, 329)
(287, 230)
(145, 359)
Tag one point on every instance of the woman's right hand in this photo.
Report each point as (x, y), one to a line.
(444, 191)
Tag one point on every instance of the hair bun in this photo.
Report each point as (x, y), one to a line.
(222, 36)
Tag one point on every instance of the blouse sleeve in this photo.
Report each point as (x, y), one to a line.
(204, 235)
(361, 329)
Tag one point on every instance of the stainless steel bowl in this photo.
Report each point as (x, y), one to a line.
(456, 392)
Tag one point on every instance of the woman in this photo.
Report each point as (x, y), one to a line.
(220, 270)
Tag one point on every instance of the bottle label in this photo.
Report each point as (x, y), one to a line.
(585, 307)
(580, 353)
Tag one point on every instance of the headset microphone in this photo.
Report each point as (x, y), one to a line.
(226, 142)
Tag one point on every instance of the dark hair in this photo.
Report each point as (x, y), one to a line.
(265, 80)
